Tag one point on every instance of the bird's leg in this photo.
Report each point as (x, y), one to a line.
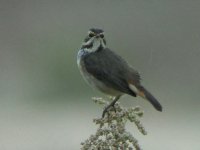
(110, 105)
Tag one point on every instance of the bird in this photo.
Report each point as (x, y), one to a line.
(108, 72)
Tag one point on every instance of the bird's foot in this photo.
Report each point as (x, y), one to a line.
(107, 109)
(112, 104)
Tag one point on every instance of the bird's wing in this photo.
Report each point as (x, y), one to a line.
(110, 69)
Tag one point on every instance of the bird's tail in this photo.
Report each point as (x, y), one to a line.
(142, 92)
(147, 95)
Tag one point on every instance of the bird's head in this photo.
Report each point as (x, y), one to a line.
(94, 40)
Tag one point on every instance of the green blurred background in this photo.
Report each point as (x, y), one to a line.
(46, 105)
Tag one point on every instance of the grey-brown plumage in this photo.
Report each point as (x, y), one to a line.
(111, 69)
(108, 72)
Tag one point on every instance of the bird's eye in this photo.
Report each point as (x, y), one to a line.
(101, 35)
(91, 34)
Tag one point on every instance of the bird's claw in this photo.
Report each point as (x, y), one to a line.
(106, 110)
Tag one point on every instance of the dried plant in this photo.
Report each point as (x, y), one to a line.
(111, 133)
